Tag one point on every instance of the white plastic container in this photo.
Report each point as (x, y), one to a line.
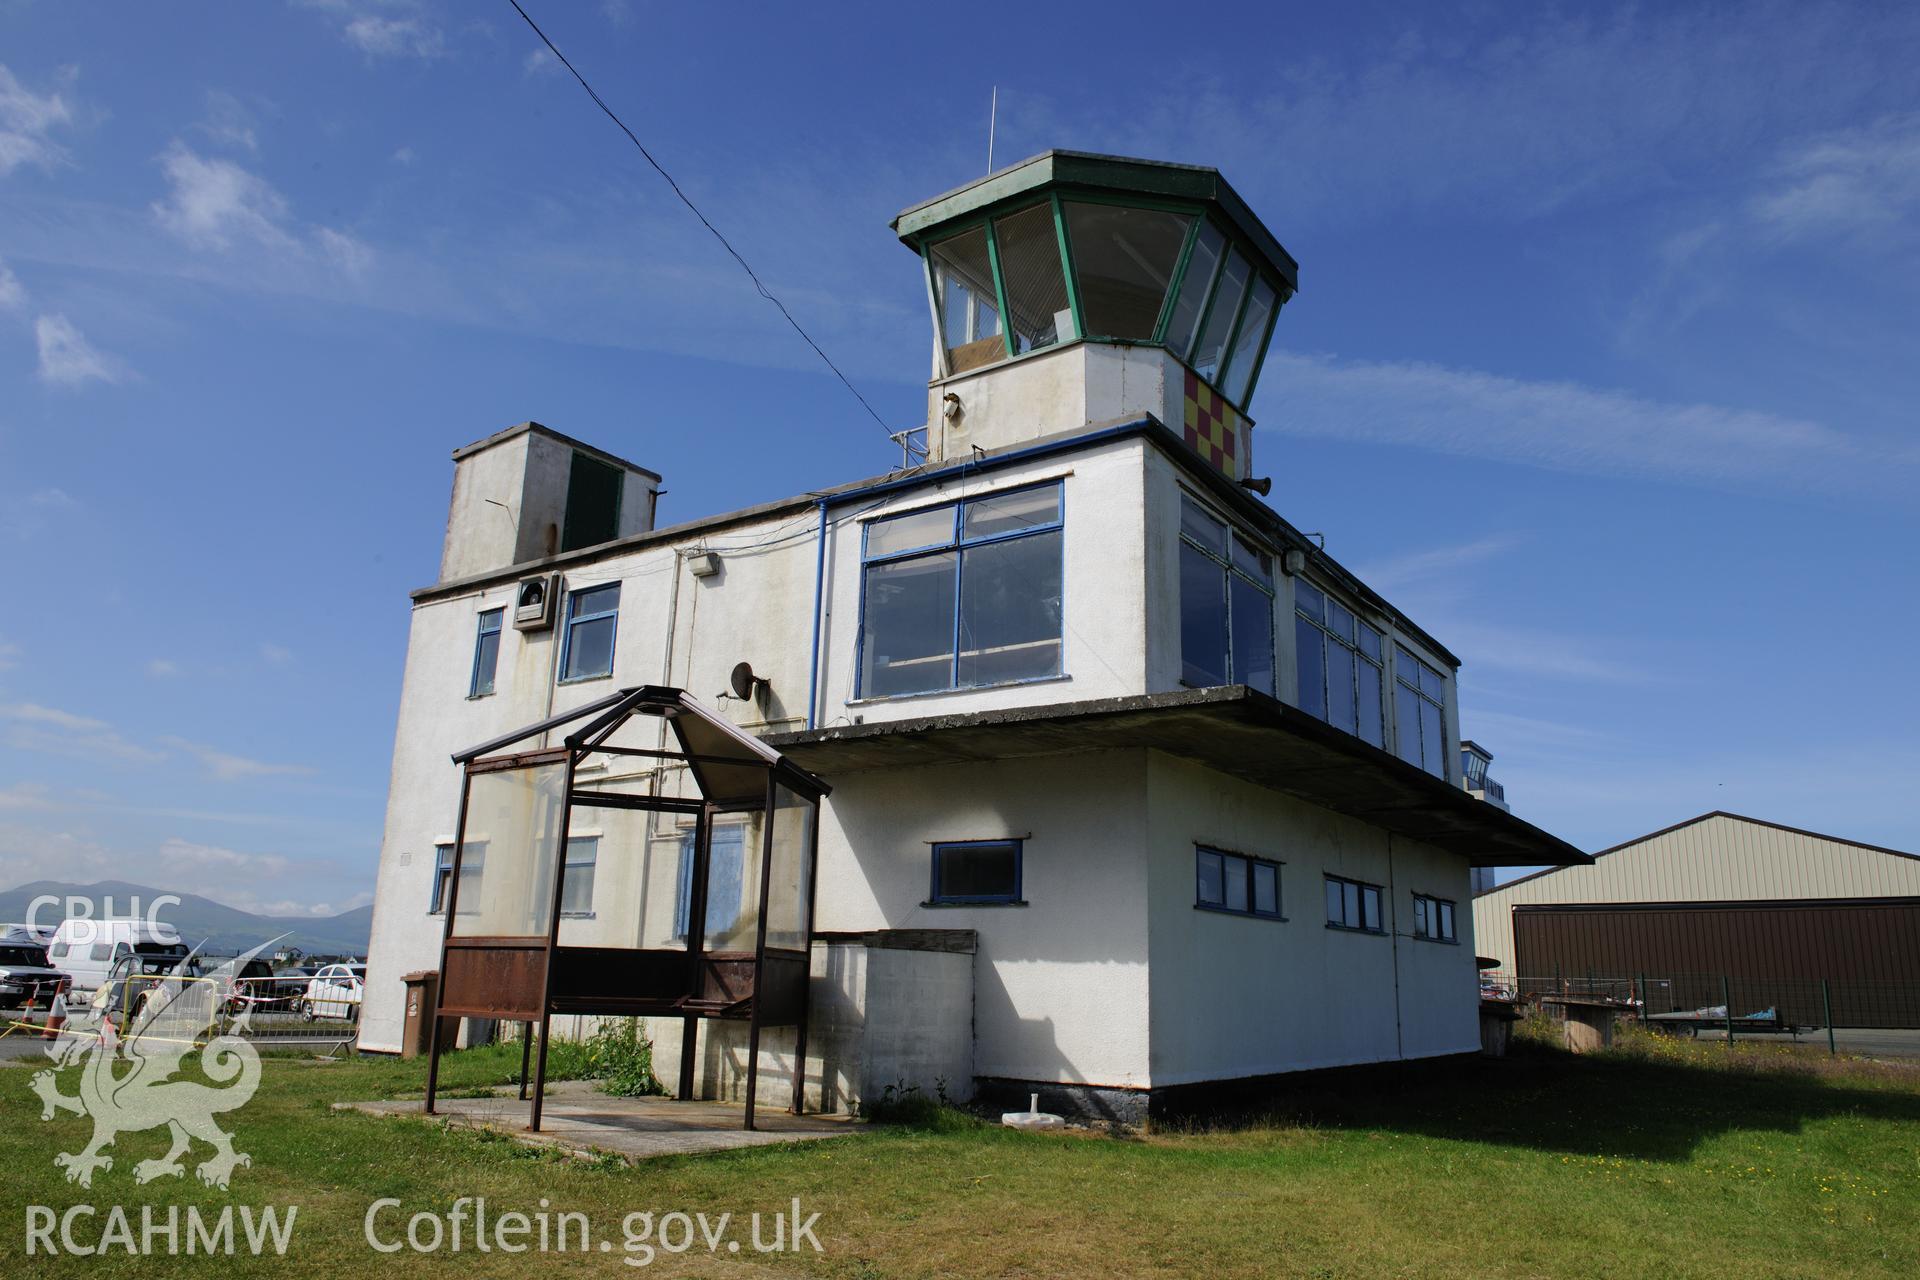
(1033, 1117)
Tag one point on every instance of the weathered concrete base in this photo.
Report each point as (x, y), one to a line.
(581, 1120)
(891, 1008)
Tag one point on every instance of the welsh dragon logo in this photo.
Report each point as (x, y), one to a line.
(127, 1082)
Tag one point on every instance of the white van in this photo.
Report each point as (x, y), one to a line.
(87, 948)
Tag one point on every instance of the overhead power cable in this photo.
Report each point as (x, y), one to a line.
(765, 292)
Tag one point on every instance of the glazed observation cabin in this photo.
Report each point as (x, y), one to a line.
(705, 849)
(1069, 247)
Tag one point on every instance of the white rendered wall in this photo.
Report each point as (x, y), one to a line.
(1236, 996)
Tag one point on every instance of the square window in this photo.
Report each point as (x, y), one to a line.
(977, 872)
(1353, 905)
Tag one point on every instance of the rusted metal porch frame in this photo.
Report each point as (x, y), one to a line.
(616, 710)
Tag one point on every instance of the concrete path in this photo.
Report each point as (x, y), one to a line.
(580, 1119)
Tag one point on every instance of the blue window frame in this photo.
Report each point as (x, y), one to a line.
(1340, 663)
(977, 873)
(1420, 713)
(1236, 883)
(471, 868)
(586, 650)
(1354, 905)
(486, 653)
(963, 595)
(726, 861)
(1433, 918)
(442, 875)
(1226, 604)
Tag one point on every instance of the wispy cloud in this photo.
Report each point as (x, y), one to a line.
(228, 767)
(277, 655)
(1564, 426)
(13, 294)
(539, 62)
(162, 668)
(10, 654)
(229, 122)
(67, 359)
(214, 204)
(379, 37)
(1863, 184)
(46, 730)
(1424, 566)
(1530, 651)
(30, 515)
(26, 121)
(26, 795)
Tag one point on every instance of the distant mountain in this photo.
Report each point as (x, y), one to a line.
(211, 924)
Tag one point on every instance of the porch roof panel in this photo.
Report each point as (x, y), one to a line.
(1232, 728)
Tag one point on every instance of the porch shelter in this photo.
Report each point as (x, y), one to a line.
(668, 930)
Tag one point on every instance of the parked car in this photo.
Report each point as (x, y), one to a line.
(26, 977)
(258, 988)
(335, 992)
(135, 975)
(87, 949)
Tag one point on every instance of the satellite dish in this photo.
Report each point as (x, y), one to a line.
(743, 680)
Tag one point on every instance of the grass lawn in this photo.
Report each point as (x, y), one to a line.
(1659, 1158)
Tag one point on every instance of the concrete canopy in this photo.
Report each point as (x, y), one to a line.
(1237, 730)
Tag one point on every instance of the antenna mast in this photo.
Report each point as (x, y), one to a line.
(993, 119)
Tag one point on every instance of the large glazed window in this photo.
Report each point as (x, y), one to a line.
(1340, 662)
(1203, 264)
(1236, 379)
(963, 595)
(1419, 713)
(510, 851)
(969, 312)
(1123, 262)
(1225, 309)
(1226, 604)
(1036, 287)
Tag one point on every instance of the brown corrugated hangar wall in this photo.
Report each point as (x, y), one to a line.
(1772, 954)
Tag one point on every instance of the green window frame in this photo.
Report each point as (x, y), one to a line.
(1236, 347)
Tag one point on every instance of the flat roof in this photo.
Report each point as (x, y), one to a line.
(1091, 171)
(1233, 729)
(1224, 490)
(537, 428)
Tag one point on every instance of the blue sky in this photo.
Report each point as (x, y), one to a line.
(1603, 365)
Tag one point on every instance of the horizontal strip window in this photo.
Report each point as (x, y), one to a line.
(1235, 883)
(964, 595)
(977, 873)
(1353, 904)
(1433, 918)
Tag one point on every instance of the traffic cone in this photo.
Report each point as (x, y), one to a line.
(56, 1017)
